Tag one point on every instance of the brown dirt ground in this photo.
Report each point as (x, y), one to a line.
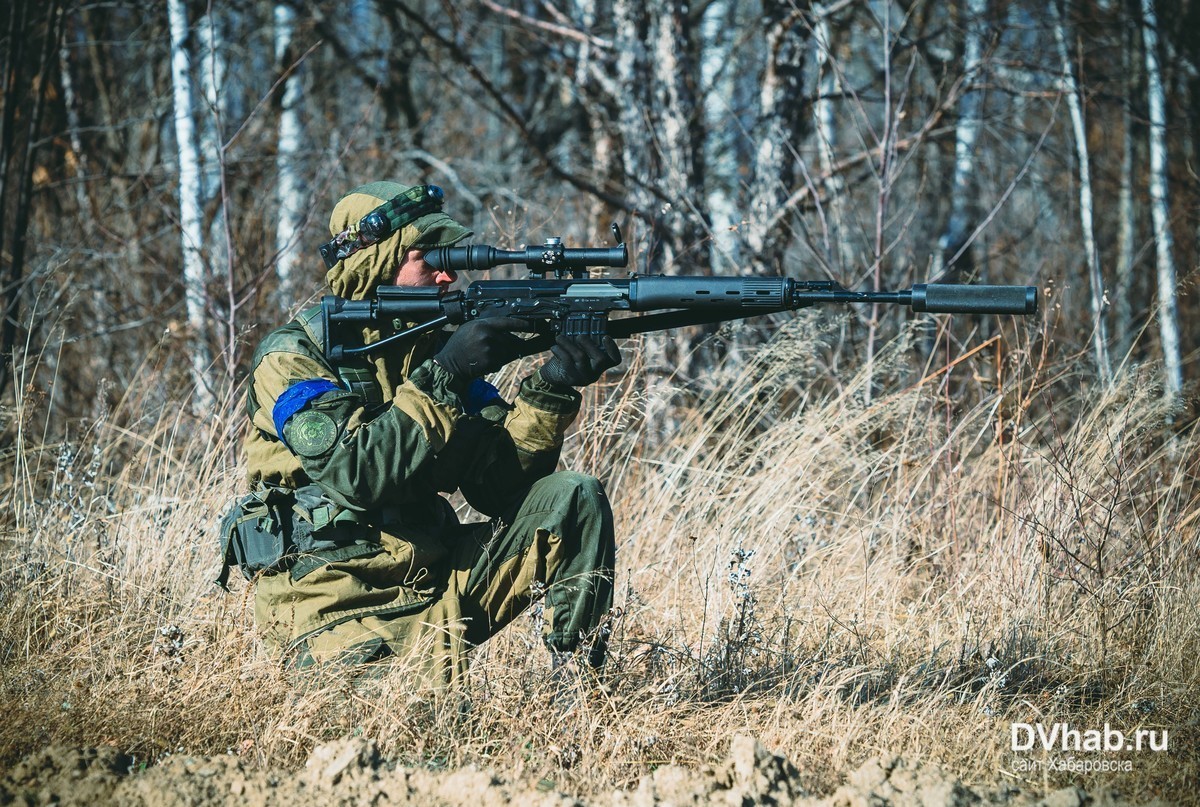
(350, 772)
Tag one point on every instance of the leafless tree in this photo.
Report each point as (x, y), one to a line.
(290, 206)
(782, 124)
(1086, 200)
(1160, 211)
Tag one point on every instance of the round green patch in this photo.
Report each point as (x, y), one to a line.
(310, 433)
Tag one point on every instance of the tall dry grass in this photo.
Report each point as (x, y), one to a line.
(844, 565)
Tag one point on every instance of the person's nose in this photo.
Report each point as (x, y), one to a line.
(445, 277)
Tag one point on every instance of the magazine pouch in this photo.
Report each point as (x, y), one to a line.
(256, 533)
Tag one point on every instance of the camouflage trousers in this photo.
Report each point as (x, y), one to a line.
(555, 543)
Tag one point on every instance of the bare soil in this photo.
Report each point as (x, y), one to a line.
(351, 772)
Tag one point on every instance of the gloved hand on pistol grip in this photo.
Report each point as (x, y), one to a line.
(579, 360)
(481, 346)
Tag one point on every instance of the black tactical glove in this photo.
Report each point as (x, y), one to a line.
(481, 346)
(579, 360)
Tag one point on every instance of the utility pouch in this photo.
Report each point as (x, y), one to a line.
(276, 529)
(256, 533)
(323, 533)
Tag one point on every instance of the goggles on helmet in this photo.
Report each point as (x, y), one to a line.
(381, 222)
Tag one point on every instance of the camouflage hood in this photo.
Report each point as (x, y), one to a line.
(358, 275)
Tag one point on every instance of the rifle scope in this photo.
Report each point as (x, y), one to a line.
(551, 256)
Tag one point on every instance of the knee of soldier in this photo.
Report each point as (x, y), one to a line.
(587, 491)
(578, 499)
(582, 483)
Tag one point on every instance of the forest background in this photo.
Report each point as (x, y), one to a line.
(954, 520)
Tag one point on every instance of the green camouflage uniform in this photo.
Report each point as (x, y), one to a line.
(385, 567)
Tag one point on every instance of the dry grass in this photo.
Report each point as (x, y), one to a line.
(903, 563)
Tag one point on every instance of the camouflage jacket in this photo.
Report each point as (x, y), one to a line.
(373, 444)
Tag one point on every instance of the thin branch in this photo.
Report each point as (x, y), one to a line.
(292, 68)
(549, 27)
(515, 117)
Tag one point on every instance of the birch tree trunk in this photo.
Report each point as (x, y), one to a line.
(948, 260)
(632, 97)
(1168, 312)
(211, 53)
(829, 83)
(783, 119)
(1074, 104)
(681, 137)
(721, 130)
(633, 100)
(1126, 212)
(290, 208)
(78, 158)
(662, 144)
(594, 80)
(190, 210)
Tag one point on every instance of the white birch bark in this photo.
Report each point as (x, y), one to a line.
(1126, 212)
(953, 239)
(681, 140)
(632, 97)
(71, 103)
(1086, 203)
(721, 127)
(829, 84)
(659, 148)
(661, 141)
(290, 209)
(590, 76)
(1168, 312)
(211, 57)
(780, 130)
(190, 209)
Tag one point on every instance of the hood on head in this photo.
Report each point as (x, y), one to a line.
(358, 275)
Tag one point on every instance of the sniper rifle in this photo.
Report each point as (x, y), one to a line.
(575, 304)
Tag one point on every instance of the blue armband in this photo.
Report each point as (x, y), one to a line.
(296, 397)
(479, 395)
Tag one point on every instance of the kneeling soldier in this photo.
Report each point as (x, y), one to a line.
(356, 555)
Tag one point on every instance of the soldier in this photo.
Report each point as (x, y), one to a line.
(356, 554)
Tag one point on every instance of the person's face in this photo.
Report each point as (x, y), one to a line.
(414, 271)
